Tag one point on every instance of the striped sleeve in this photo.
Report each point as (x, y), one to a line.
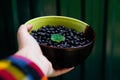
(20, 68)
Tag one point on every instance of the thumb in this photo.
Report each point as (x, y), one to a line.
(24, 28)
(23, 35)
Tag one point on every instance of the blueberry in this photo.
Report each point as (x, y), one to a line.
(72, 37)
(51, 29)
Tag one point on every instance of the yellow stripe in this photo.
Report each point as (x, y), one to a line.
(18, 74)
(6, 65)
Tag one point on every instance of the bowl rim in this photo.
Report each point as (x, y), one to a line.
(68, 18)
(54, 16)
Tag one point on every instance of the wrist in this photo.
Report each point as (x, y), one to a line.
(38, 59)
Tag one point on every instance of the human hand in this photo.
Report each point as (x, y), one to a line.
(29, 48)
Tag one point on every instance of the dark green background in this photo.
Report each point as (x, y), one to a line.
(102, 15)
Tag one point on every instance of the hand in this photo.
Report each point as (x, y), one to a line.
(29, 48)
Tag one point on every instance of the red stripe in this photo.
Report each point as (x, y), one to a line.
(30, 63)
(37, 69)
(6, 75)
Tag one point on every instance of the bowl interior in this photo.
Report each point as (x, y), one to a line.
(72, 23)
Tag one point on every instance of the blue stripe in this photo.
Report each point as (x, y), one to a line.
(30, 73)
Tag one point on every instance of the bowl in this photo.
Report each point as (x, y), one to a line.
(65, 57)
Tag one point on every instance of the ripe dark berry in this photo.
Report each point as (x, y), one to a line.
(72, 37)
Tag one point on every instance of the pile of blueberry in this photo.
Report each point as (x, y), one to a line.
(72, 38)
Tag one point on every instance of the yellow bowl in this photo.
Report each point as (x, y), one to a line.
(65, 57)
(58, 20)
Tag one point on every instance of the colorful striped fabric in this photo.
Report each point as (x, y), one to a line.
(20, 68)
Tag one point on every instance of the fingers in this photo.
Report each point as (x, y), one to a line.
(24, 29)
(60, 72)
(29, 27)
(23, 35)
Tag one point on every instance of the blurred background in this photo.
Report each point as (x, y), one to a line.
(102, 15)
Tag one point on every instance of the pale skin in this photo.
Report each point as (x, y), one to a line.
(29, 48)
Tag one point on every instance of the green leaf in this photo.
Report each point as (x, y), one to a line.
(57, 38)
